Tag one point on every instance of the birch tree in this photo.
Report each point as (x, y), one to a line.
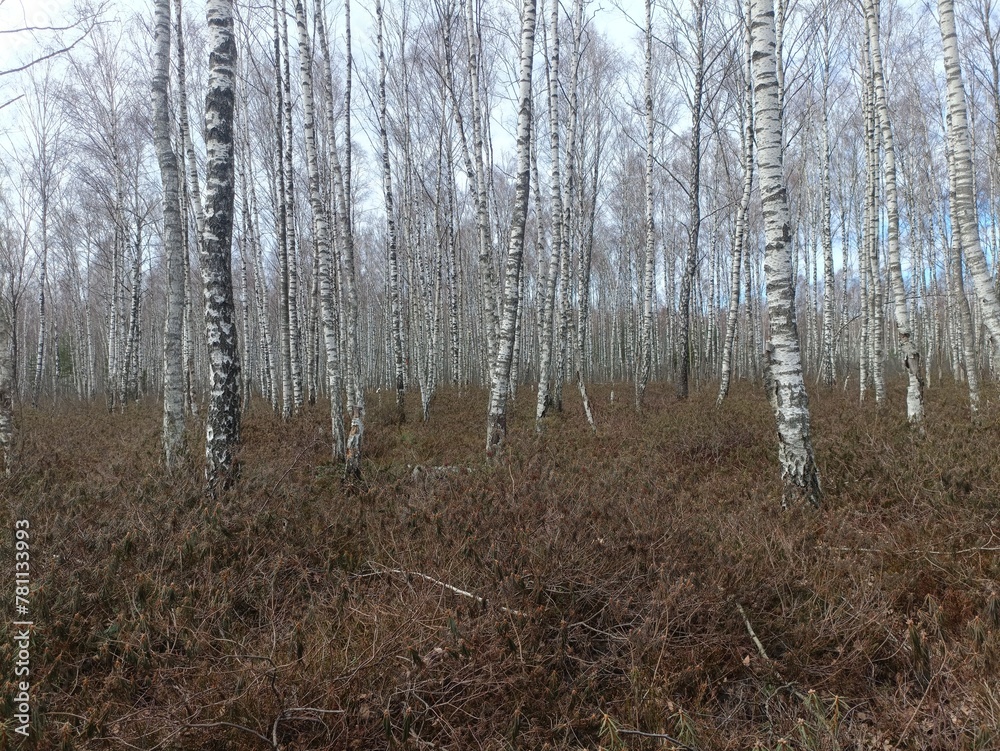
(9, 271)
(966, 214)
(549, 278)
(741, 231)
(911, 357)
(321, 224)
(222, 430)
(644, 363)
(345, 236)
(173, 353)
(694, 199)
(46, 137)
(487, 281)
(786, 388)
(828, 372)
(496, 432)
(954, 276)
(395, 310)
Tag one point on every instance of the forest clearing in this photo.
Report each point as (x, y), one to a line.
(609, 581)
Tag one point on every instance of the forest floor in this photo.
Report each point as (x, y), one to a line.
(643, 580)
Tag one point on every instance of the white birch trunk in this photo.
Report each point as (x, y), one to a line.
(345, 236)
(173, 353)
(222, 431)
(496, 433)
(908, 349)
(489, 284)
(694, 203)
(740, 231)
(548, 282)
(965, 212)
(294, 317)
(282, 220)
(43, 282)
(828, 370)
(395, 309)
(964, 332)
(648, 268)
(786, 386)
(321, 226)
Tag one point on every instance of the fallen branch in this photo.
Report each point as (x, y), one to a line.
(421, 469)
(244, 728)
(963, 551)
(763, 652)
(288, 714)
(660, 736)
(753, 634)
(444, 585)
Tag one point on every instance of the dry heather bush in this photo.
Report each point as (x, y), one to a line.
(614, 579)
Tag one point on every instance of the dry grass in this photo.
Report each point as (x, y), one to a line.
(610, 573)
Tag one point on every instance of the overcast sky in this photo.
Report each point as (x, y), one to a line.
(616, 19)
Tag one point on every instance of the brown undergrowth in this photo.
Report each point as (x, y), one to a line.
(642, 580)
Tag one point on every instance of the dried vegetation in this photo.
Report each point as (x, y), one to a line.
(635, 589)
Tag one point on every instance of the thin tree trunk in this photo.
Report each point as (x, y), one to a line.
(786, 388)
(962, 323)
(694, 203)
(390, 219)
(496, 433)
(548, 282)
(8, 385)
(966, 214)
(222, 433)
(345, 235)
(294, 317)
(322, 227)
(741, 230)
(911, 357)
(828, 370)
(648, 269)
(43, 282)
(489, 285)
(285, 302)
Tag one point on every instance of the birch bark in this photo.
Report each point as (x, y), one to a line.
(8, 385)
(694, 203)
(548, 282)
(173, 354)
(911, 357)
(965, 213)
(828, 372)
(648, 268)
(489, 285)
(786, 386)
(294, 318)
(282, 219)
(345, 235)
(222, 431)
(962, 324)
(740, 232)
(395, 310)
(496, 433)
(321, 225)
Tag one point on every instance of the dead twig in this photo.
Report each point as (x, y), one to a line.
(763, 652)
(660, 736)
(244, 728)
(444, 585)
